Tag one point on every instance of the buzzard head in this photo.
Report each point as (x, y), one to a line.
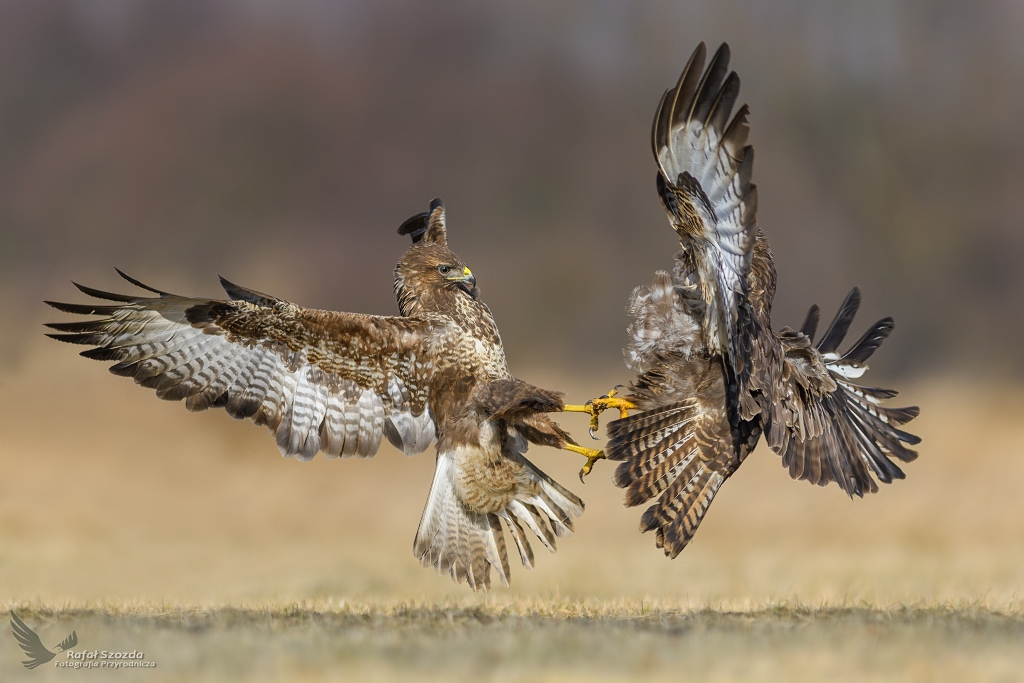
(430, 277)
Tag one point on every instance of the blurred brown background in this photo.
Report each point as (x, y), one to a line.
(281, 144)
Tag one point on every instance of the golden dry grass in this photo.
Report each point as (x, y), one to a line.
(545, 640)
(187, 536)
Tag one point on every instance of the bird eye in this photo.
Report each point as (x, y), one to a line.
(444, 270)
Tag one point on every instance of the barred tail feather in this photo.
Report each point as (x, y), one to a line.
(681, 454)
(677, 523)
(464, 543)
(653, 447)
(455, 540)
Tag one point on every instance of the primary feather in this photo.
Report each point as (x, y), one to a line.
(713, 375)
(339, 383)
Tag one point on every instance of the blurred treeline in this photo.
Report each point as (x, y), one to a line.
(281, 144)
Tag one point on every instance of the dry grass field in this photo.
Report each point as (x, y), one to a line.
(188, 537)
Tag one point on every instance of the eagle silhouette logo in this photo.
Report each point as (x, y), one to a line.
(33, 646)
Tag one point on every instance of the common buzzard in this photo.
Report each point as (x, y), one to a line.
(341, 382)
(713, 375)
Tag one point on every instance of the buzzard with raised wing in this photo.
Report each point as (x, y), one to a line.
(713, 375)
(341, 382)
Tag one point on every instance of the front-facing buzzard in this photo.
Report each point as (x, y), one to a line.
(341, 382)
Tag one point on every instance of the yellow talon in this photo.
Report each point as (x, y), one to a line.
(596, 406)
(604, 403)
(590, 410)
(591, 454)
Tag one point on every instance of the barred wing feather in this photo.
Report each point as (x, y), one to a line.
(705, 167)
(320, 381)
(825, 426)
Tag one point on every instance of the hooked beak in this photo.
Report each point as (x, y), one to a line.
(465, 276)
(466, 280)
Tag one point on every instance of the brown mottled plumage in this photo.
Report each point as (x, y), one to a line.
(340, 382)
(713, 374)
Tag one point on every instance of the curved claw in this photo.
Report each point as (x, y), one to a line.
(614, 391)
(609, 400)
(589, 466)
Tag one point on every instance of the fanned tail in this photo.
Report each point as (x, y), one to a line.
(458, 541)
(681, 453)
(466, 544)
(677, 521)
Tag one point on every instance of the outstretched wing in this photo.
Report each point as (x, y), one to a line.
(826, 427)
(321, 381)
(30, 643)
(704, 182)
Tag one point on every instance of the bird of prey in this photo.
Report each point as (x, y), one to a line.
(712, 374)
(341, 382)
(33, 646)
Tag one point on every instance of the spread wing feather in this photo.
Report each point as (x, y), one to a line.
(704, 183)
(320, 381)
(713, 374)
(826, 427)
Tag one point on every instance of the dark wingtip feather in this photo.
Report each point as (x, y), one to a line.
(688, 87)
(907, 437)
(655, 125)
(103, 353)
(841, 323)
(77, 326)
(902, 415)
(735, 137)
(810, 326)
(718, 116)
(81, 309)
(100, 294)
(681, 94)
(710, 84)
(90, 338)
(239, 293)
(129, 368)
(139, 284)
(416, 226)
(870, 341)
